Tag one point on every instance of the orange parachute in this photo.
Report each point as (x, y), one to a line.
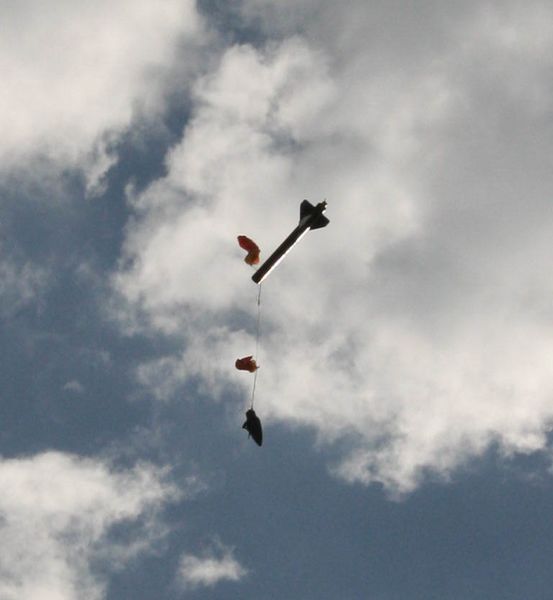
(251, 248)
(246, 364)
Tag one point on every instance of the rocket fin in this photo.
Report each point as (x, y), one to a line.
(306, 209)
(320, 221)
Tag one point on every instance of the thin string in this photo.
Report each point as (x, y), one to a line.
(257, 336)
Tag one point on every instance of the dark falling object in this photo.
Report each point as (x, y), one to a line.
(311, 217)
(253, 426)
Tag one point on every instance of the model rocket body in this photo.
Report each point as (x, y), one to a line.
(311, 217)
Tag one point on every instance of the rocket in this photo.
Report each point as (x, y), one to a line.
(311, 217)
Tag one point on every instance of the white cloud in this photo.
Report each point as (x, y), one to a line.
(74, 74)
(74, 386)
(21, 284)
(216, 565)
(56, 513)
(415, 325)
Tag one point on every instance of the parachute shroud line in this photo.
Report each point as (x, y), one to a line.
(257, 337)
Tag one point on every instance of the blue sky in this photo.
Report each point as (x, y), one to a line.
(405, 388)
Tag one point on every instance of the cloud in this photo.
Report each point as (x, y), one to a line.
(58, 512)
(74, 77)
(414, 328)
(74, 386)
(214, 566)
(21, 284)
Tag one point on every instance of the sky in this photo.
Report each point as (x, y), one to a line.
(405, 388)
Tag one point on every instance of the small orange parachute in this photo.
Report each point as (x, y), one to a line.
(246, 364)
(251, 248)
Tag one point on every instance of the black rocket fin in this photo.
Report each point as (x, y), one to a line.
(306, 208)
(319, 221)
